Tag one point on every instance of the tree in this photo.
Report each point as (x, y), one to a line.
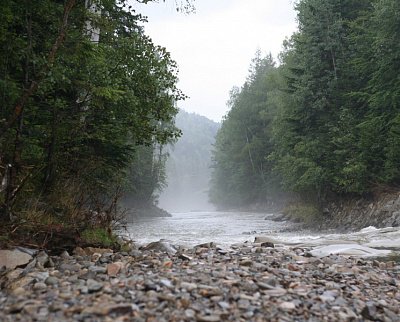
(315, 137)
(242, 173)
(92, 109)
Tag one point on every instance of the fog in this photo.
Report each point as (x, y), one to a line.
(189, 193)
(188, 167)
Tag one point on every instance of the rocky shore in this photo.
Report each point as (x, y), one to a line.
(161, 282)
(381, 210)
(339, 213)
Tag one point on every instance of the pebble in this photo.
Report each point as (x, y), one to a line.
(39, 286)
(188, 286)
(113, 269)
(162, 282)
(51, 280)
(287, 306)
(98, 269)
(94, 286)
(208, 318)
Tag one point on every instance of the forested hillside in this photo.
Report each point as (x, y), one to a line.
(325, 122)
(188, 167)
(87, 101)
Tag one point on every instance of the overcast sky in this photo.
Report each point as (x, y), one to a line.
(214, 46)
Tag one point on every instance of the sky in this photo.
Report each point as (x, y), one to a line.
(214, 46)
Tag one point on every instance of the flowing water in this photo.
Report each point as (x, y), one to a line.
(226, 228)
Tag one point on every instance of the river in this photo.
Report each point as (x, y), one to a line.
(227, 228)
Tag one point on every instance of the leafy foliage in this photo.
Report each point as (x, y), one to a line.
(242, 173)
(90, 108)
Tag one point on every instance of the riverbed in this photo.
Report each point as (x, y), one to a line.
(227, 228)
(232, 279)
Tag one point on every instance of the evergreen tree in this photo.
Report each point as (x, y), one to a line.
(316, 137)
(332, 124)
(242, 173)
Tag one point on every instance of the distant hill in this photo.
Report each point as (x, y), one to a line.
(188, 167)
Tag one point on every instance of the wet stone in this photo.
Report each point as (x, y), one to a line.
(369, 311)
(190, 313)
(106, 309)
(13, 258)
(276, 292)
(246, 262)
(65, 255)
(21, 283)
(43, 260)
(39, 286)
(224, 305)
(94, 286)
(69, 267)
(267, 245)
(243, 304)
(287, 306)
(279, 284)
(98, 269)
(113, 269)
(18, 291)
(188, 286)
(166, 283)
(208, 318)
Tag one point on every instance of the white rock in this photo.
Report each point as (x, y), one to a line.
(287, 306)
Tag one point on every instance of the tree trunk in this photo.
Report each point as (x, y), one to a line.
(49, 168)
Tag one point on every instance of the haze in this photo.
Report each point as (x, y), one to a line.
(214, 46)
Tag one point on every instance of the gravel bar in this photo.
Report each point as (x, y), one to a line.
(161, 282)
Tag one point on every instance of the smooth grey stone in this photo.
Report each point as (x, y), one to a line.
(93, 286)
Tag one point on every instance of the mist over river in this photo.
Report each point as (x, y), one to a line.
(227, 228)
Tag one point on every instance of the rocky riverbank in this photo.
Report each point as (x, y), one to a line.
(340, 213)
(160, 282)
(380, 210)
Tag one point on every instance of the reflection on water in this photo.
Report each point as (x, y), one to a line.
(226, 228)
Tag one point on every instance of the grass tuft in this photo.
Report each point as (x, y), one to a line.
(98, 236)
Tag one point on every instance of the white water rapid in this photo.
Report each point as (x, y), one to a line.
(226, 228)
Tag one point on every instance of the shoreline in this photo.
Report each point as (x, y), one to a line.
(340, 214)
(159, 282)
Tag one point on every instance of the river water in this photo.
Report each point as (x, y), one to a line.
(227, 228)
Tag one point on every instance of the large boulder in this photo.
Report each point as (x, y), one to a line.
(162, 245)
(11, 259)
(264, 239)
